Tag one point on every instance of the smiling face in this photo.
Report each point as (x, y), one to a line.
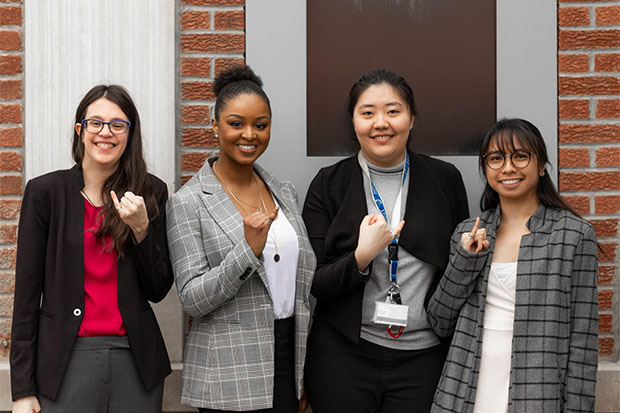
(244, 129)
(382, 122)
(103, 150)
(512, 183)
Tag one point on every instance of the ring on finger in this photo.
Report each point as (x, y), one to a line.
(470, 236)
(268, 222)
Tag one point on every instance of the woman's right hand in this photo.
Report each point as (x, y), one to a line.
(256, 227)
(374, 236)
(476, 240)
(27, 404)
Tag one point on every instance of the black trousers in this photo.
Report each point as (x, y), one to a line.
(342, 376)
(284, 393)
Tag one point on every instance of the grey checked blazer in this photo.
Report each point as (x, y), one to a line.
(554, 347)
(229, 355)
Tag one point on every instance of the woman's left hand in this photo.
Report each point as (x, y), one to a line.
(132, 210)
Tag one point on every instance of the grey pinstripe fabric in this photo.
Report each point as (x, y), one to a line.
(229, 355)
(554, 350)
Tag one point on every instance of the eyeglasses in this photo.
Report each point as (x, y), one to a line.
(117, 127)
(497, 160)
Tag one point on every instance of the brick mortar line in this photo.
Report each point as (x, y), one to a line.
(602, 169)
(12, 28)
(606, 97)
(212, 55)
(194, 102)
(588, 28)
(593, 148)
(596, 121)
(587, 96)
(587, 74)
(185, 8)
(197, 79)
(197, 149)
(610, 50)
(212, 31)
(588, 51)
(589, 3)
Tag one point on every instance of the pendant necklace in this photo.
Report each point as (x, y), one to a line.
(239, 201)
(276, 256)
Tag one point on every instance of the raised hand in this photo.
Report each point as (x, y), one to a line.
(256, 227)
(132, 210)
(374, 236)
(476, 240)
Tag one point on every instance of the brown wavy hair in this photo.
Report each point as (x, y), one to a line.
(131, 174)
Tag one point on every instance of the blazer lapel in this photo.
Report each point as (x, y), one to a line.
(219, 205)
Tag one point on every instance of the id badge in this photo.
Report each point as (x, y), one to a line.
(390, 314)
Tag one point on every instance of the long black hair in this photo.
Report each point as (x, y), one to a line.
(131, 174)
(505, 133)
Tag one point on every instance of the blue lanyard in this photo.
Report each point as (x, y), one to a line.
(393, 247)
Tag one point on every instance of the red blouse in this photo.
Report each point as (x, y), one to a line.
(101, 314)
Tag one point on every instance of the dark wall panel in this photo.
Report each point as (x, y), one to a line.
(444, 48)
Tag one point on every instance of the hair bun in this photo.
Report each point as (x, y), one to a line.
(235, 74)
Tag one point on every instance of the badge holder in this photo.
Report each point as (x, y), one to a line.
(392, 312)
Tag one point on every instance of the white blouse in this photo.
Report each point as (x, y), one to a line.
(499, 311)
(281, 275)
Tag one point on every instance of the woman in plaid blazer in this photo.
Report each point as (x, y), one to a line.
(519, 293)
(243, 265)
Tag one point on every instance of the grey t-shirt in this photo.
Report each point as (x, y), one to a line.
(414, 276)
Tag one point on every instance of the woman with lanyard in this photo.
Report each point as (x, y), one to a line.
(380, 224)
(519, 294)
(243, 265)
(91, 254)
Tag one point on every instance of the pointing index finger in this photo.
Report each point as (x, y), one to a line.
(473, 231)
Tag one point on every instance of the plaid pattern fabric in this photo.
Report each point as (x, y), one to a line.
(229, 355)
(554, 350)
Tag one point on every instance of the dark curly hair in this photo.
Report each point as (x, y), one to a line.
(237, 80)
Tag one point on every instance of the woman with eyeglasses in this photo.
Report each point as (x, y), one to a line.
(91, 254)
(519, 293)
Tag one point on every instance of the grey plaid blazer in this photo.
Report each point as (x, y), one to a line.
(229, 355)
(554, 347)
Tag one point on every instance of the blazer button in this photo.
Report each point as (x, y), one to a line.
(245, 274)
(77, 312)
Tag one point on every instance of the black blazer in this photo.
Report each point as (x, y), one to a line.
(49, 286)
(334, 208)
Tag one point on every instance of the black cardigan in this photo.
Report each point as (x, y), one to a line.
(50, 264)
(334, 208)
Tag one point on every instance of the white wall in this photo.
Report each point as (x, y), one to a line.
(72, 45)
(526, 81)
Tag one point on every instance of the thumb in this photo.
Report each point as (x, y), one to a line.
(117, 204)
(273, 214)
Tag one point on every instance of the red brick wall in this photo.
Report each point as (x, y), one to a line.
(589, 136)
(212, 39)
(11, 76)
